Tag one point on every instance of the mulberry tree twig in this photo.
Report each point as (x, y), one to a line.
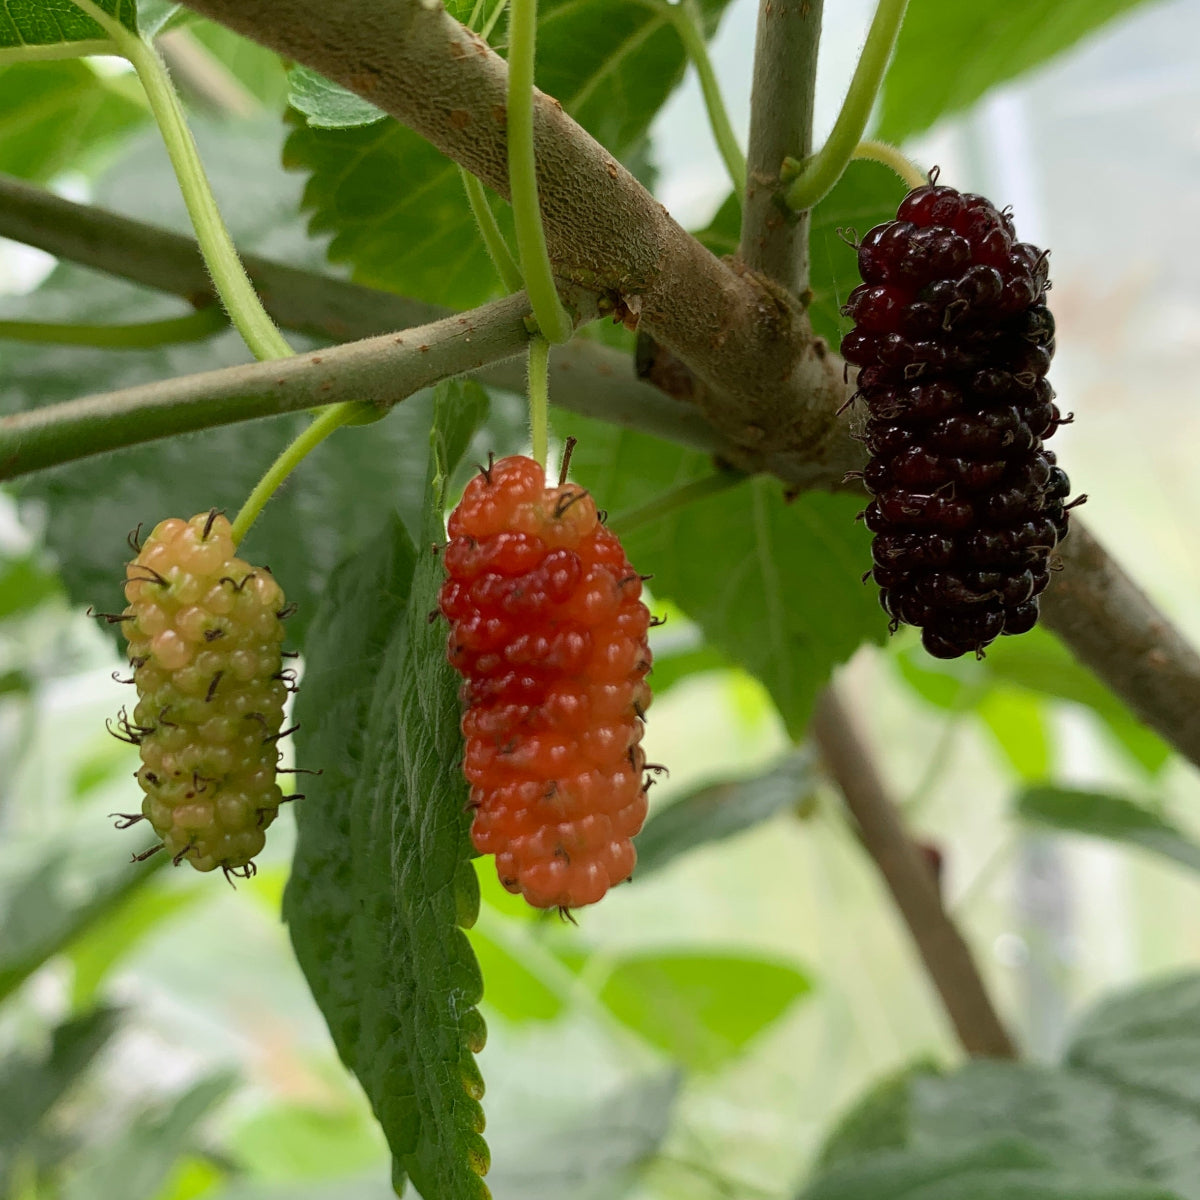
(943, 950)
(773, 239)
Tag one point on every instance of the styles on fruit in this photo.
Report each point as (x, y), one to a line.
(205, 633)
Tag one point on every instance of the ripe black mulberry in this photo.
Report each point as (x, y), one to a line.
(953, 340)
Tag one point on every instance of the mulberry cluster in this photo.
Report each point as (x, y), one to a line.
(954, 339)
(205, 633)
(549, 630)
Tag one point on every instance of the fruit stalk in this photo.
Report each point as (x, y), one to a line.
(819, 174)
(232, 284)
(553, 320)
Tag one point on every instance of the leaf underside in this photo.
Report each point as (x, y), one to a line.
(949, 54)
(1119, 1117)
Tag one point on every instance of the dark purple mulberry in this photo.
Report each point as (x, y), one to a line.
(953, 340)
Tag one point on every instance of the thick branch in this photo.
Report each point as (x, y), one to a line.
(774, 240)
(1113, 628)
(945, 954)
(765, 381)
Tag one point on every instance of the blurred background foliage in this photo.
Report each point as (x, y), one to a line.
(706, 1029)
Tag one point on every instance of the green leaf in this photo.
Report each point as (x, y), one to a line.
(328, 105)
(330, 504)
(592, 1154)
(382, 877)
(612, 63)
(1017, 722)
(1070, 1117)
(1145, 1042)
(60, 116)
(673, 666)
(947, 686)
(866, 195)
(513, 990)
(24, 584)
(701, 1009)
(299, 1142)
(1103, 815)
(54, 22)
(397, 212)
(950, 54)
(1126, 1100)
(1041, 663)
(155, 15)
(774, 586)
(721, 810)
(31, 1086)
(1037, 663)
(135, 1164)
(256, 68)
(1123, 1107)
(1000, 1170)
(105, 942)
(880, 1120)
(70, 887)
(396, 207)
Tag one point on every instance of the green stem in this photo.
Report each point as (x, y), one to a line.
(497, 248)
(675, 499)
(23, 54)
(685, 18)
(539, 398)
(323, 424)
(825, 168)
(552, 318)
(229, 276)
(889, 156)
(490, 23)
(143, 335)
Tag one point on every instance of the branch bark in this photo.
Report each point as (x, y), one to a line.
(1114, 628)
(945, 953)
(766, 382)
(774, 240)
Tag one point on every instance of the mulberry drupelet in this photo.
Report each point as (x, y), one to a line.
(549, 630)
(954, 339)
(205, 634)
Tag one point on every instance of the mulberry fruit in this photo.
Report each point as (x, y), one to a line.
(549, 630)
(953, 340)
(205, 632)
